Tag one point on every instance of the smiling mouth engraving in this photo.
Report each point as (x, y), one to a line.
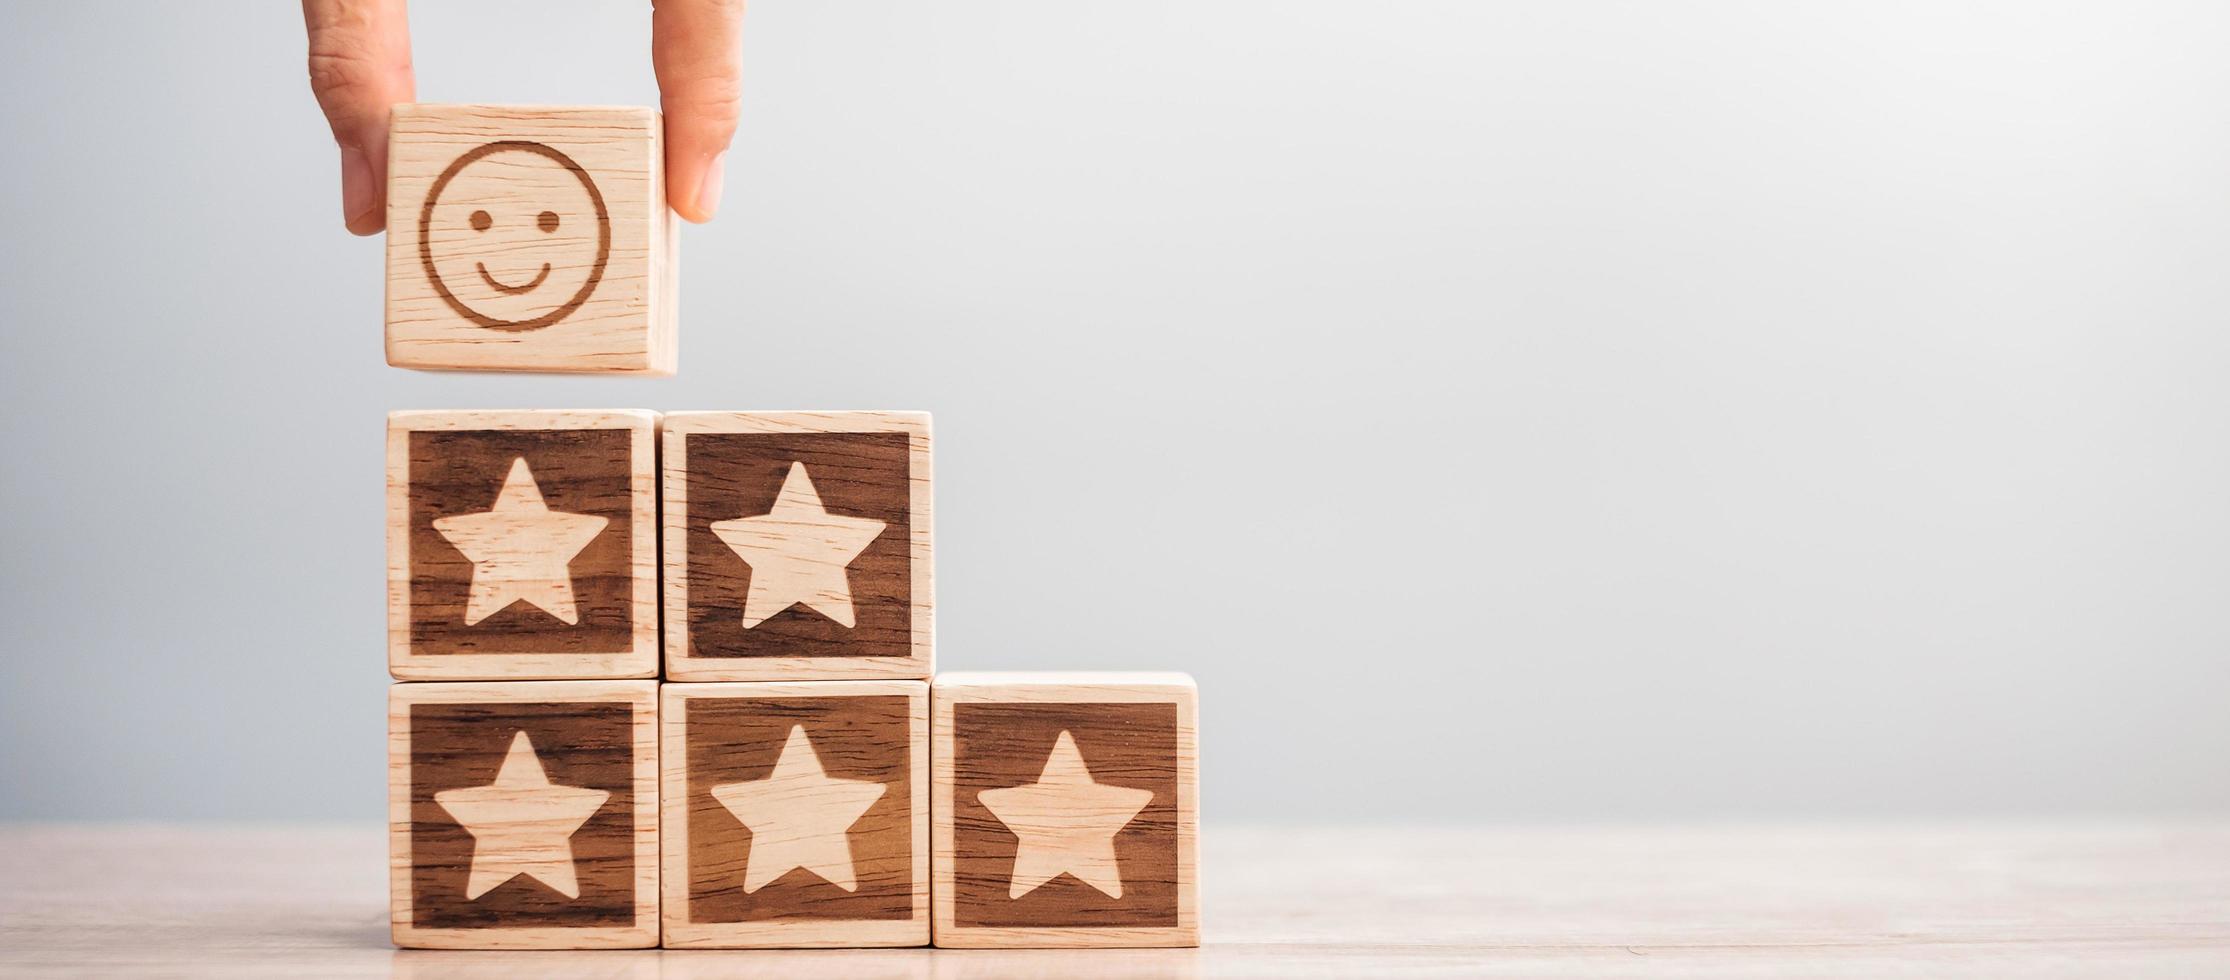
(511, 290)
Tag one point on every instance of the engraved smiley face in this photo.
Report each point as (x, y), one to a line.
(514, 236)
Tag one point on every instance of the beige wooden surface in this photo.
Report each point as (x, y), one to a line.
(2104, 900)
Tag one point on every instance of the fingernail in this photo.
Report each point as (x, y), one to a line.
(708, 192)
(358, 196)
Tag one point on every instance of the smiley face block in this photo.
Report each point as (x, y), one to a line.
(529, 239)
(522, 545)
(796, 814)
(797, 545)
(1065, 809)
(523, 815)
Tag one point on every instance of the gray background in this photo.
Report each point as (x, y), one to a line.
(1509, 412)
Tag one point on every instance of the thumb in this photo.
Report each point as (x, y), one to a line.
(696, 49)
(359, 69)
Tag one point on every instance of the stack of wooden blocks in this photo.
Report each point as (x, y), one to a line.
(668, 679)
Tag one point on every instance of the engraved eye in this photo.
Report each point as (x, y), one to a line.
(547, 221)
(481, 221)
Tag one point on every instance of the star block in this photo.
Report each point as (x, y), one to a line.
(796, 814)
(523, 814)
(529, 238)
(797, 545)
(1065, 809)
(522, 545)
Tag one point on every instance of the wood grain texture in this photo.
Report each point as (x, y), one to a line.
(2120, 899)
(529, 238)
(444, 467)
(1065, 809)
(721, 736)
(842, 610)
(587, 738)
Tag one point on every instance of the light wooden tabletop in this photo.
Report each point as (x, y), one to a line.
(2106, 900)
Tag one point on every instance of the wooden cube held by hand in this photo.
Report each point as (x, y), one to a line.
(529, 238)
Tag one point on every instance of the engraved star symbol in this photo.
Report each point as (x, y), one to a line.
(522, 824)
(798, 553)
(1066, 822)
(520, 549)
(800, 817)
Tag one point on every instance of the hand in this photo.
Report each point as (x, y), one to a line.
(360, 69)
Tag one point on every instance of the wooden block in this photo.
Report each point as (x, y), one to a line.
(529, 238)
(523, 814)
(796, 813)
(1065, 809)
(797, 545)
(522, 545)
